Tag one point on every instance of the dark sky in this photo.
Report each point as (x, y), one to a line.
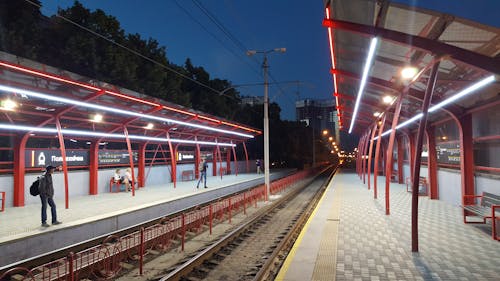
(187, 31)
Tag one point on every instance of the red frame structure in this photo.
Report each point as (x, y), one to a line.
(66, 100)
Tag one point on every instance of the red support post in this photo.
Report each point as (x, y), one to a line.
(390, 149)
(141, 252)
(94, 168)
(211, 217)
(71, 266)
(401, 157)
(214, 162)
(432, 164)
(467, 157)
(411, 138)
(174, 164)
(235, 160)
(64, 162)
(418, 156)
(131, 159)
(377, 155)
(141, 169)
(246, 157)
(220, 159)
(19, 169)
(370, 152)
(365, 153)
(183, 217)
(197, 159)
(228, 161)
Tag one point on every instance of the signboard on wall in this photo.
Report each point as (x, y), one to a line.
(448, 153)
(116, 157)
(45, 157)
(185, 156)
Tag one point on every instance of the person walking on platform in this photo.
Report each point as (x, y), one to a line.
(257, 163)
(46, 189)
(203, 173)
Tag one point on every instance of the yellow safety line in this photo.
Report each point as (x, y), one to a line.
(291, 255)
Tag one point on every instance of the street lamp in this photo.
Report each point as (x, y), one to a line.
(265, 66)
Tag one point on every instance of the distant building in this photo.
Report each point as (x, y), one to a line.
(320, 114)
(251, 100)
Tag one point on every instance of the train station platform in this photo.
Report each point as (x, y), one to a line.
(349, 237)
(88, 217)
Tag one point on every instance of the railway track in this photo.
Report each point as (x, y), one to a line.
(255, 249)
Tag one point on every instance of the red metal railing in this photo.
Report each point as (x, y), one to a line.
(106, 260)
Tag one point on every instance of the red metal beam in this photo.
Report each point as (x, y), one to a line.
(377, 155)
(418, 156)
(433, 46)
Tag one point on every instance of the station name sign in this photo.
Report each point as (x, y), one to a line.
(45, 157)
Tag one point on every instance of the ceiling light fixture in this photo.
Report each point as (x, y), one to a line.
(362, 85)
(115, 110)
(105, 135)
(449, 100)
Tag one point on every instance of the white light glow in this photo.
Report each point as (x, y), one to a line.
(376, 114)
(106, 135)
(388, 99)
(362, 85)
(115, 110)
(149, 126)
(464, 92)
(97, 118)
(8, 104)
(408, 72)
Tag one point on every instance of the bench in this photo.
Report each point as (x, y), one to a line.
(2, 195)
(117, 185)
(422, 183)
(488, 208)
(394, 176)
(187, 175)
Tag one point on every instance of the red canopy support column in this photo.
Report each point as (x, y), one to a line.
(214, 162)
(173, 161)
(220, 158)
(370, 152)
(94, 168)
(141, 171)
(467, 157)
(19, 169)
(401, 157)
(365, 153)
(197, 159)
(418, 156)
(390, 149)
(64, 163)
(358, 158)
(246, 157)
(432, 164)
(377, 156)
(131, 158)
(411, 138)
(235, 160)
(228, 161)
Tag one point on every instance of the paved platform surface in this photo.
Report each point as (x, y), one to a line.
(350, 238)
(90, 217)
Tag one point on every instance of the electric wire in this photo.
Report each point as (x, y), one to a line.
(135, 52)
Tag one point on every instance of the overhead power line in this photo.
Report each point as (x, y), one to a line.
(134, 52)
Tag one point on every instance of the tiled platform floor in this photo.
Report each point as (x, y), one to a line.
(369, 245)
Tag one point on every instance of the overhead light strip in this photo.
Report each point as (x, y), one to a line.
(71, 132)
(116, 110)
(461, 94)
(93, 88)
(332, 56)
(368, 63)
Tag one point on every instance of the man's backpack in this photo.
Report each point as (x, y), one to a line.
(34, 187)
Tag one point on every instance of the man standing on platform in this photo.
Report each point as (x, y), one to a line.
(46, 189)
(257, 163)
(203, 173)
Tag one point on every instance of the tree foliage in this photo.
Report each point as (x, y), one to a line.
(56, 41)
